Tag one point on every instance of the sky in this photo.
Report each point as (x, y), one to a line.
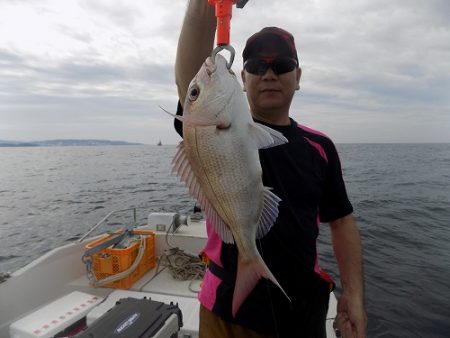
(374, 71)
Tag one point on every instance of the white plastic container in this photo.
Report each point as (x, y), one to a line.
(54, 317)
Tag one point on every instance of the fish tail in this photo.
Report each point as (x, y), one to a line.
(248, 275)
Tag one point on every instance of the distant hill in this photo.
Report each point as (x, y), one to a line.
(63, 143)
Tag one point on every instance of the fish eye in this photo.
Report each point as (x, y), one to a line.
(194, 92)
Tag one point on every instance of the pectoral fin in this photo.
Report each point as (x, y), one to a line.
(265, 137)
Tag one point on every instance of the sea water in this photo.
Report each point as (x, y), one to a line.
(400, 193)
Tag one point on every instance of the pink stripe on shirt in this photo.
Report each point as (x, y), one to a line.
(213, 247)
(312, 131)
(319, 149)
(210, 283)
(315, 144)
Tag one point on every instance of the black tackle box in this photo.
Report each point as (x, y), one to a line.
(137, 318)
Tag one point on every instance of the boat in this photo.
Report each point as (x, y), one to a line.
(54, 295)
(159, 143)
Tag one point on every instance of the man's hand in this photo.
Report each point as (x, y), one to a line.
(351, 317)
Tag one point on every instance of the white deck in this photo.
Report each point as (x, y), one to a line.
(61, 271)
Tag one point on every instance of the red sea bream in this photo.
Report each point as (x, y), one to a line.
(219, 163)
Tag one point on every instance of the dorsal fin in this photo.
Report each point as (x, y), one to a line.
(201, 120)
(181, 165)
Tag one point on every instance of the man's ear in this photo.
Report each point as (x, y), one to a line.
(299, 75)
(243, 79)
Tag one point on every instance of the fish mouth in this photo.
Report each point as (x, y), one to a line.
(210, 66)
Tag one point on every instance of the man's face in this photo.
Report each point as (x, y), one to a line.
(270, 94)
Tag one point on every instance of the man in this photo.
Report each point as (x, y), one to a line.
(306, 174)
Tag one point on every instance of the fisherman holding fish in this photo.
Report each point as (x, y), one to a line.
(265, 183)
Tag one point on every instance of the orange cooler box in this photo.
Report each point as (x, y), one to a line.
(111, 261)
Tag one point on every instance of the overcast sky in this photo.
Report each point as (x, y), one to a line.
(373, 70)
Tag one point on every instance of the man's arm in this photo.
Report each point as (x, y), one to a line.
(195, 43)
(351, 318)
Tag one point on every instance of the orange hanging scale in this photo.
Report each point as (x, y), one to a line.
(223, 15)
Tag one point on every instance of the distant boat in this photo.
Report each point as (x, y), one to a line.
(160, 143)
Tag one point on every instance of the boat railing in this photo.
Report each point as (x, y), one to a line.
(175, 218)
(104, 219)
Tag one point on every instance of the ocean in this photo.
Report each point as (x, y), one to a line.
(400, 193)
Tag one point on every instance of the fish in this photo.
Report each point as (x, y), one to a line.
(219, 163)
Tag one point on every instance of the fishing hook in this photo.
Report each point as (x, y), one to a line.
(220, 48)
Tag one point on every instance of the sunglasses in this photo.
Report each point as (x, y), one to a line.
(279, 65)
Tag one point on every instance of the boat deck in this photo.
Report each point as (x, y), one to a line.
(61, 272)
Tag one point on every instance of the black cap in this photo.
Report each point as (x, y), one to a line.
(266, 34)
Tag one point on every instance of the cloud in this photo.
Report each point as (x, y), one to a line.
(76, 34)
(108, 65)
(120, 13)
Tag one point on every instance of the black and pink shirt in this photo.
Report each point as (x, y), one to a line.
(306, 174)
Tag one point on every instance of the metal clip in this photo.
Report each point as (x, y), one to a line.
(218, 49)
